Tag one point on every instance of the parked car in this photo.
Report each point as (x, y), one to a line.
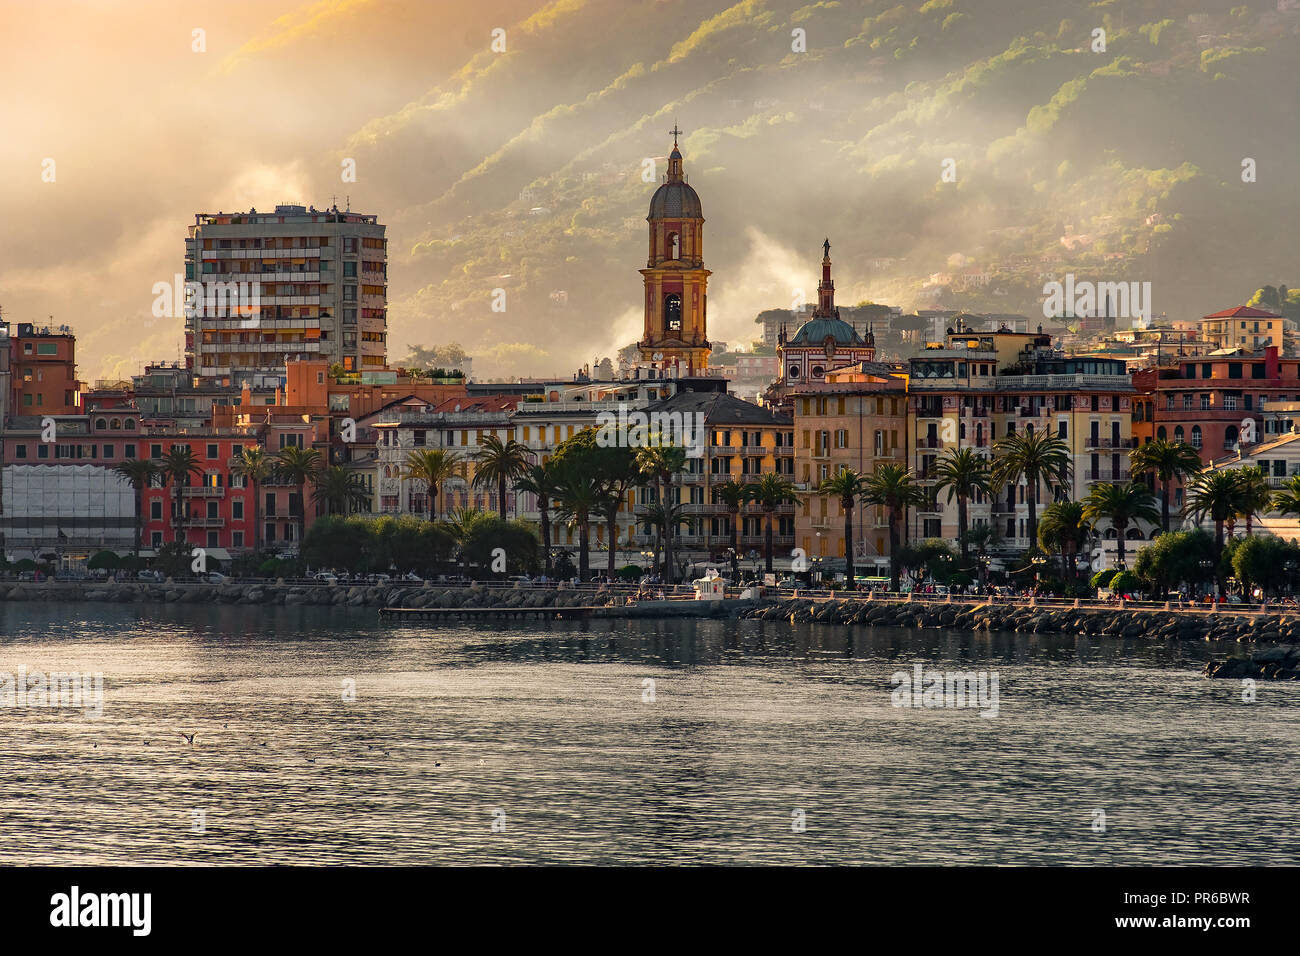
(325, 577)
(215, 577)
(379, 579)
(150, 575)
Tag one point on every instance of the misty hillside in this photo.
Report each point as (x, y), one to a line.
(1117, 165)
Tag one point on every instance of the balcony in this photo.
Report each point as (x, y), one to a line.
(929, 442)
(1095, 441)
(203, 492)
(202, 521)
(1107, 474)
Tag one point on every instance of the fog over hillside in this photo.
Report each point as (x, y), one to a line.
(522, 170)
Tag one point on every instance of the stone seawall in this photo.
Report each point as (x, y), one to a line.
(1272, 651)
(405, 595)
(1275, 662)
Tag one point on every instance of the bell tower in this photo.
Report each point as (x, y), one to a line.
(676, 338)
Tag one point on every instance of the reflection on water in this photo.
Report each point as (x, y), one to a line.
(545, 727)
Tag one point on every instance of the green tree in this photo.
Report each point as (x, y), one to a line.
(516, 539)
(340, 490)
(1121, 504)
(963, 472)
(1215, 495)
(540, 480)
(432, 466)
(177, 466)
(845, 487)
(662, 462)
(1264, 561)
(769, 493)
(1037, 457)
(620, 472)
(141, 473)
(733, 494)
(1256, 495)
(1166, 460)
(499, 464)
(1174, 558)
(893, 488)
(1287, 499)
(296, 466)
(1064, 529)
(254, 466)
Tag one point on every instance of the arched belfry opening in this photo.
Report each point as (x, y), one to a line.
(672, 313)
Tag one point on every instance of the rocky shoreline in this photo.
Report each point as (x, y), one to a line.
(299, 595)
(1274, 638)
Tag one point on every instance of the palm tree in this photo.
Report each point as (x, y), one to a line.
(500, 463)
(893, 488)
(140, 472)
(1215, 495)
(540, 480)
(656, 518)
(432, 466)
(177, 465)
(1256, 496)
(578, 492)
(769, 492)
(963, 472)
(1121, 504)
(619, 472)
(1166, 460)
(846, 486)
(1287, 500)
(661, 462)
(339, 489)
(1036, 457)
(297, 465)
(733, 494)
(1065, 529)
(255, 467)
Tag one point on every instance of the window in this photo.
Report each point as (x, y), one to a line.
(1196, 436)
(155, 510)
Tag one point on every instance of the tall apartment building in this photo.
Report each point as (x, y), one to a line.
(856, 419)
(979, 387)
(299, 282)
(42, 371)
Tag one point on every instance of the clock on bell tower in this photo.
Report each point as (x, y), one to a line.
(676, 300)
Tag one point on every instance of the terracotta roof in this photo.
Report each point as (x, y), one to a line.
(1243, 312)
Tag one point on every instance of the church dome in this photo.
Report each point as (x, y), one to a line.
(815, 331)
(675, 200)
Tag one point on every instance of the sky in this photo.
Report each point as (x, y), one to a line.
(148, 122)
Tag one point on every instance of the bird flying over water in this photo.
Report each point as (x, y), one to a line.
(189, 738)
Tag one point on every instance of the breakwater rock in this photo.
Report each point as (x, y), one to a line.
(234, 592)
(1107, 621)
